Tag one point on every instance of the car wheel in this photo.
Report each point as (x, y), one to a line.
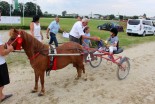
(128, 34)
(144, 33)
(99, 28)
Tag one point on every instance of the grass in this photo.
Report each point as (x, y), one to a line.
(67, 23)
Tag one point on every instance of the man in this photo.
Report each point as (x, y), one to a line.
(77, 34)
(4, 76)
(54, 27)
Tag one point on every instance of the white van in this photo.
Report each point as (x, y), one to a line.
(140, 27)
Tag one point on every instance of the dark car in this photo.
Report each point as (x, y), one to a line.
(108, 26)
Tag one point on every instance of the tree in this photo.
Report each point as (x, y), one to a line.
(39, 11)
(64, 13)
(5, 8)
(121, 17)
(30, 9)
(135, 17)
(111, 17)
(45, 12)
(144, 15)
(19, 11)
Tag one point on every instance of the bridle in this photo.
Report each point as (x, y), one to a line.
(19, 41)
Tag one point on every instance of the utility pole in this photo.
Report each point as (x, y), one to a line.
(36, 7)
(23, 12)
(0, 14)
(10, 11)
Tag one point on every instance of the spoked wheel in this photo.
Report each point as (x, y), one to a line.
(96, 61)
(123, 68)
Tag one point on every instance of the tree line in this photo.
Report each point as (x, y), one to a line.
(29, 9)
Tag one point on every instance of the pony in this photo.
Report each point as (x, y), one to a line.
(37, 53)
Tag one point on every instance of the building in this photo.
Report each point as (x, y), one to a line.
(71, 15)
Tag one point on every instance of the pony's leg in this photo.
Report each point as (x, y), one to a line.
(83, 69)
(79, 72)
(36, 83)
(42, 92)
(85, 75)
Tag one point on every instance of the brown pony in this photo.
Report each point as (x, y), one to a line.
(38, 52)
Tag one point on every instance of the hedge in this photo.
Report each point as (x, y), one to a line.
(6, 27)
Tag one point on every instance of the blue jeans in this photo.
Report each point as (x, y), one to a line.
(53, 38)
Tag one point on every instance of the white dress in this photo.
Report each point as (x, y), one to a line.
(37, 30)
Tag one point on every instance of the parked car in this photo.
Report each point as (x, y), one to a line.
(108, 26)
(140, 27)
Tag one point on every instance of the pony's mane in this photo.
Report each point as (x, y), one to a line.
(32, 43)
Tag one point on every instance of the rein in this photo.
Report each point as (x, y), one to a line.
(34, 56)
(19, 41)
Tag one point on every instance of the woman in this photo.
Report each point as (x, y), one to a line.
(4, 75)
(35, 28)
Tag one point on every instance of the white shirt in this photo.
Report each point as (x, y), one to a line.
(77, 30)
(2, 59)
(37, 29)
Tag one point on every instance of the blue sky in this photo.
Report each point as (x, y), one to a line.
(104, 7)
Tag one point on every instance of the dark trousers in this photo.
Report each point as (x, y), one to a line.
(4, 75)
(71, 38)
(53, 38)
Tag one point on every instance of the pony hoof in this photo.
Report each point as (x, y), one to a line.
(41, 94)
(77, 78)
(33, 91)
(85, 79)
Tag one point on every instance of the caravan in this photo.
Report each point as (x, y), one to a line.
(140, 27)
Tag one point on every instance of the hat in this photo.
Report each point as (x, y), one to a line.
(35, 18)
(85, 20)
(114, 30)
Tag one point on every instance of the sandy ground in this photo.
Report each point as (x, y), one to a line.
(102, 86)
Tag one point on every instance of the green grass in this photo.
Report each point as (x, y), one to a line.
(67, 23)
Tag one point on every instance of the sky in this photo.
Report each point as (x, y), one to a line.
(103, 7)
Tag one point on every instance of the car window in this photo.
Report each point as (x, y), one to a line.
(134, 22)
(153, 23)
(147, 23)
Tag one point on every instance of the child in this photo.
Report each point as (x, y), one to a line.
(113, 40)
(87, 42)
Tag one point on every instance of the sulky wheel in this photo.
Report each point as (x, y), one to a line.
(96, 61)
(123, 68)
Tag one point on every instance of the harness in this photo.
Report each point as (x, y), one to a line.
(52, 60)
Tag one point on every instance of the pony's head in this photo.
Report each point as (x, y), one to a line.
(15, 39)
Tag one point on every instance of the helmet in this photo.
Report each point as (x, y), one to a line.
(114, 30)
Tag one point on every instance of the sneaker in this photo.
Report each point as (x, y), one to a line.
(106, 49)
(101, 49)
(97, 52)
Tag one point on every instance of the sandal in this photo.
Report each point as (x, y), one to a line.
(6, 97)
